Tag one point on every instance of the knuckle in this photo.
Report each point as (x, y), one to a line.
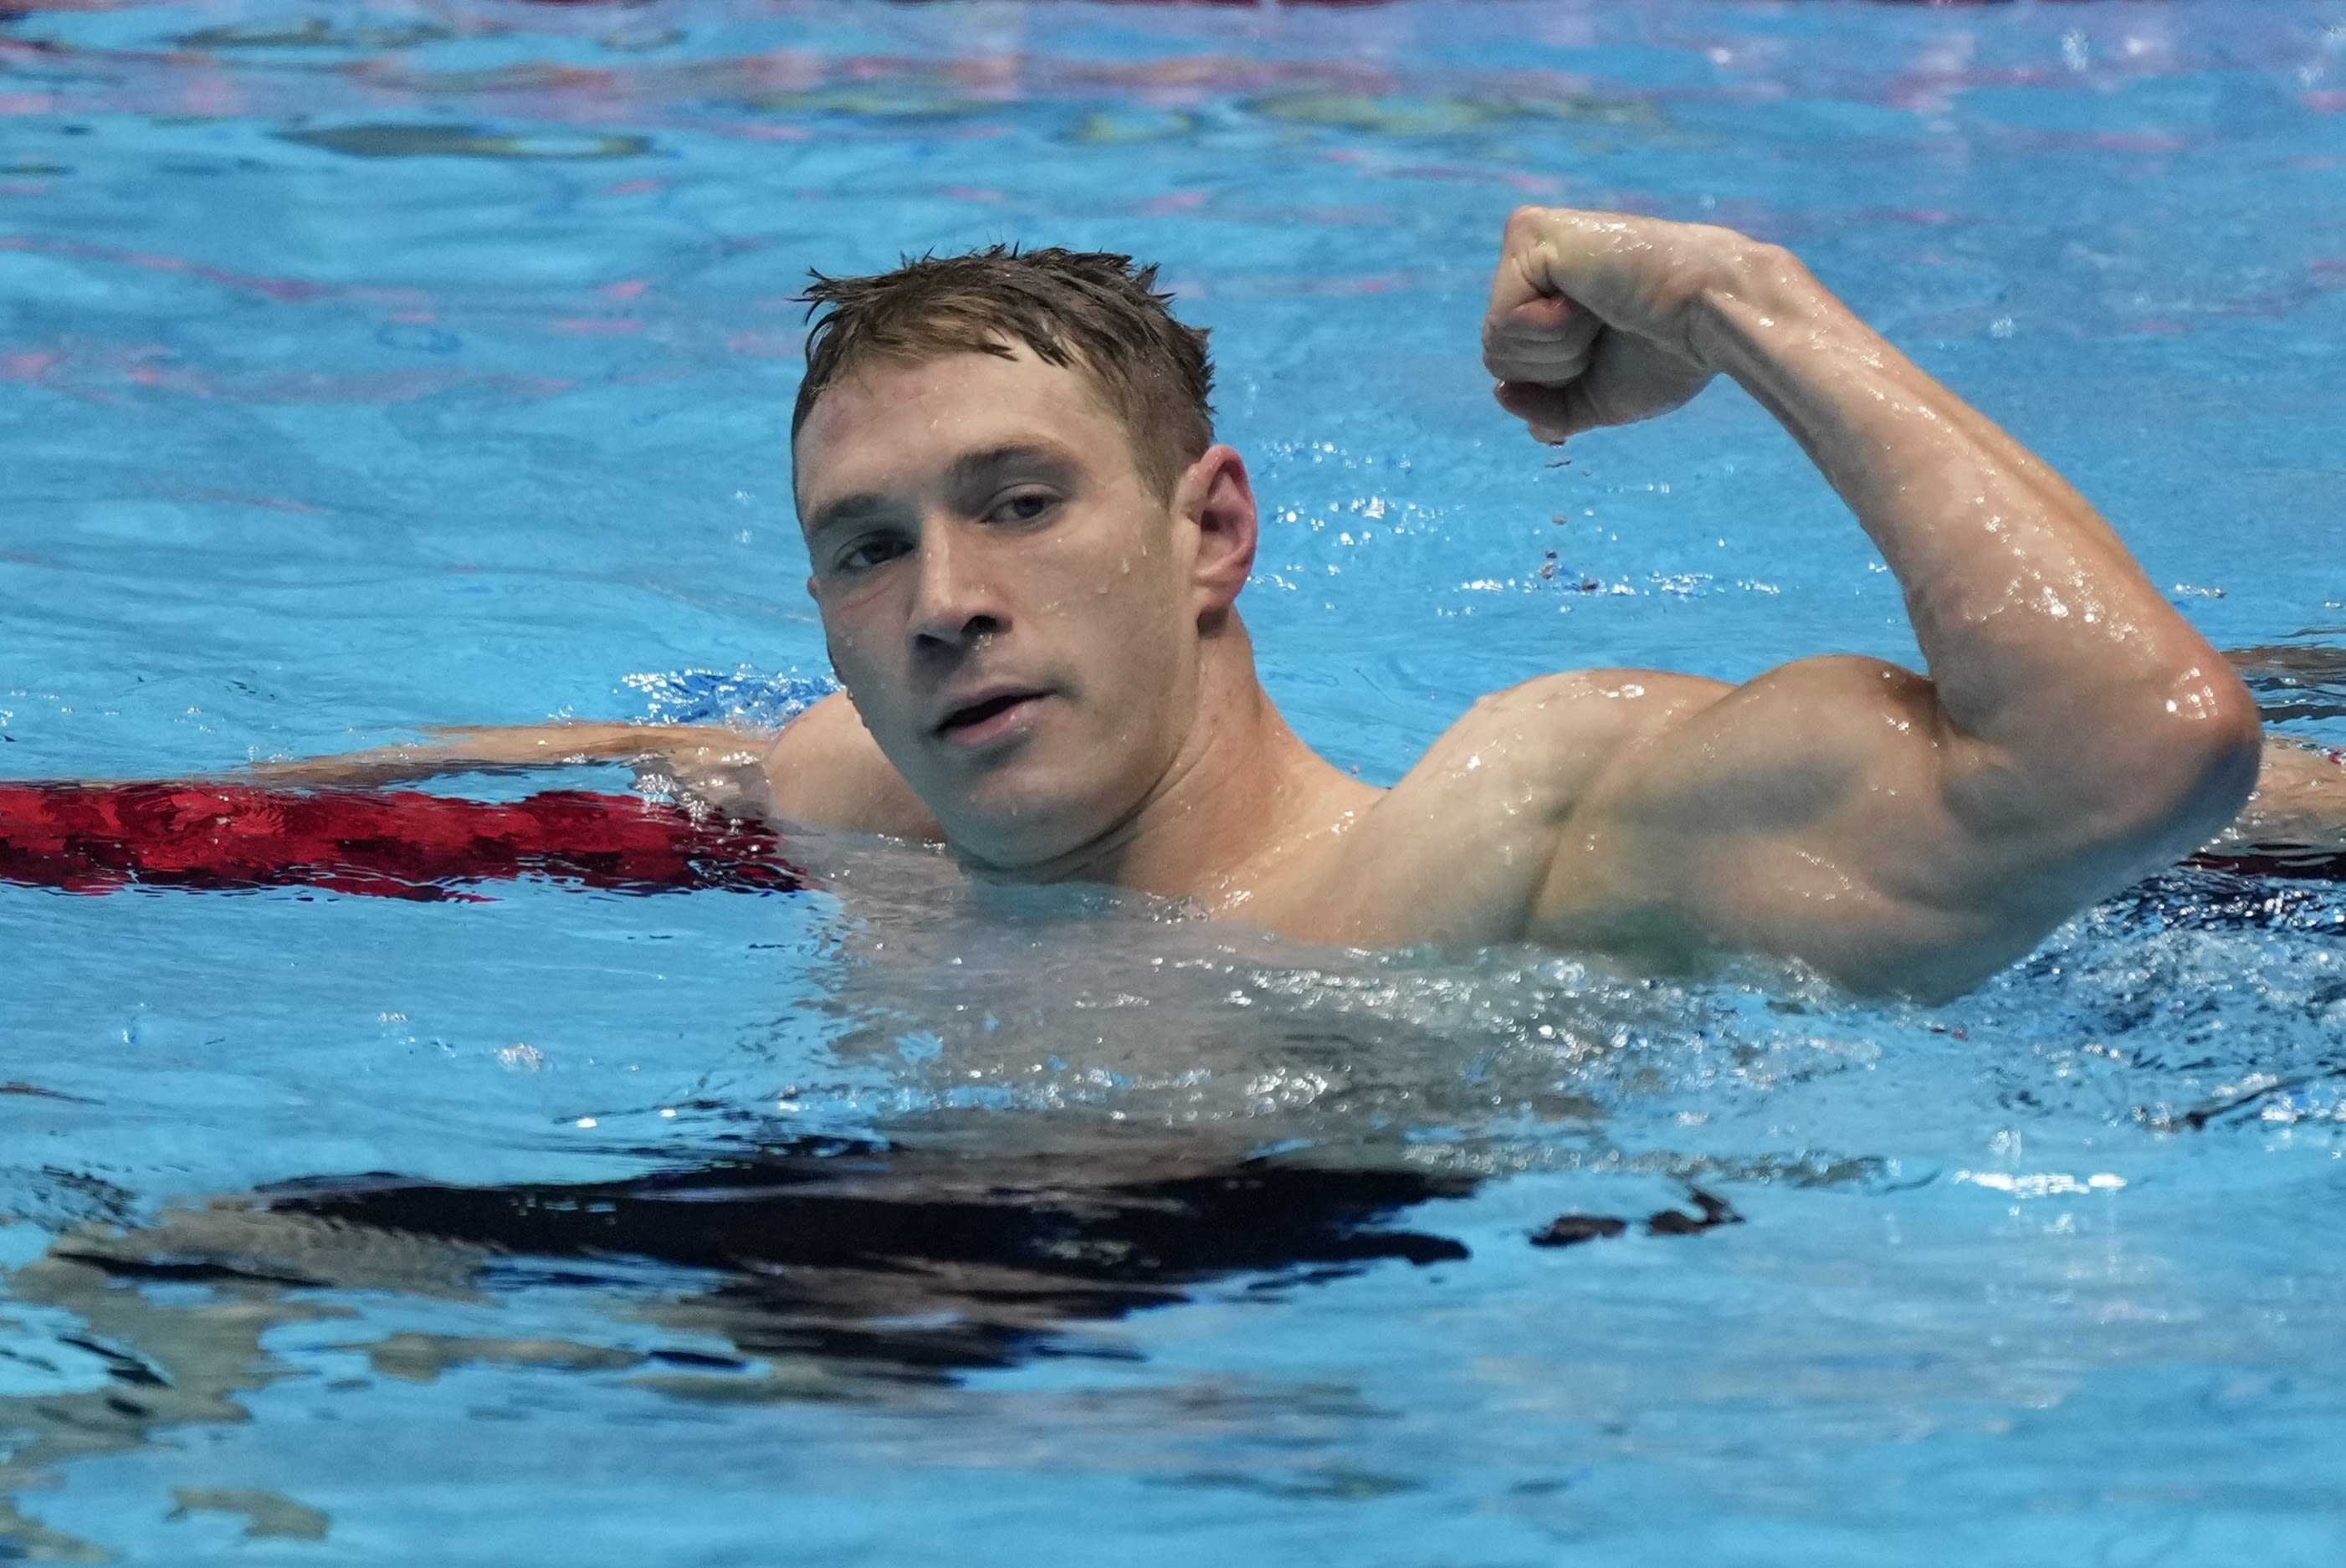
(1524, 223)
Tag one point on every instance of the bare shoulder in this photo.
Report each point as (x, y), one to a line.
(826, 771)
(1555, 736)
(1459, 851)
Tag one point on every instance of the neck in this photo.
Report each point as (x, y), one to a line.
(1241, 785)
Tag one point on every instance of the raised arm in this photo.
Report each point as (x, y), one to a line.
(1902, 833)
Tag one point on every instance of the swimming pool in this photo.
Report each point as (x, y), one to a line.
(370, 368)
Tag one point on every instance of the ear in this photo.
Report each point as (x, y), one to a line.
(1216, 497)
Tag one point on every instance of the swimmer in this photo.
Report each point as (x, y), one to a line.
(1027, 549)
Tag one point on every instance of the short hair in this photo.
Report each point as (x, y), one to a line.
(1091, 311)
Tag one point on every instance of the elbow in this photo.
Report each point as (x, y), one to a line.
(2232, 780)
(2195, 766)
(2223, 743)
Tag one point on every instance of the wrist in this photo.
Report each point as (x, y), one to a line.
(1755, 298)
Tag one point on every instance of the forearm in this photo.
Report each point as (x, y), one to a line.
(679, 748)
(2300, 803)
(2043, 636)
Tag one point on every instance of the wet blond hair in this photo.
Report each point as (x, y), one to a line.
(1091, 311)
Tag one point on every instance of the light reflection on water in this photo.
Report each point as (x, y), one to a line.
(367, 369)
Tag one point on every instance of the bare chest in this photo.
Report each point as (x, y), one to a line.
(1434, 862)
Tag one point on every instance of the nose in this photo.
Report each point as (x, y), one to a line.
(956, 602)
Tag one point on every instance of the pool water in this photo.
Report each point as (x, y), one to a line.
(369, 367)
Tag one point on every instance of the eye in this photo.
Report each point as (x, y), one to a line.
(864, 553)
(1023, 506)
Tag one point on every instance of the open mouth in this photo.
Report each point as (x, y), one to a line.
(980, 721)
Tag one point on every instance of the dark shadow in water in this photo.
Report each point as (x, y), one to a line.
(919, 1263)
(833, 1271)
(836, 1267)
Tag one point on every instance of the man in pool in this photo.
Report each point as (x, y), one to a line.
(1027, 549)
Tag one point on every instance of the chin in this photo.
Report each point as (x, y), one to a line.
(1022, 826)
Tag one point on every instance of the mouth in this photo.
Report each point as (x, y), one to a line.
(985, 719)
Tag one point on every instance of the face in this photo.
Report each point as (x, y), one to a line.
(1014, 615)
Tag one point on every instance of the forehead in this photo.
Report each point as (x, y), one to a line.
(891, 425)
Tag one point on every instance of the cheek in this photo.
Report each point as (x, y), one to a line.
(838, 638)
(1142, 643)
(860, 619)
(1129, 593)
(849, 647)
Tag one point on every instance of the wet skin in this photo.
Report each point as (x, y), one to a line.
(1045, 653)
(1045, 669)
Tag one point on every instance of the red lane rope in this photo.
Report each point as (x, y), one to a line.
(401, 844)
(405, 844)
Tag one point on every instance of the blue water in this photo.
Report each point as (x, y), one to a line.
(365, 368)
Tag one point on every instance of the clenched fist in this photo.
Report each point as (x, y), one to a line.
(1599, 318)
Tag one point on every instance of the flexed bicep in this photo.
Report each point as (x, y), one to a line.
(1828, 812)
(1902, 833)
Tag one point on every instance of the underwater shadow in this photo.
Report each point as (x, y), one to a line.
(907, 1263)
(832, 1269)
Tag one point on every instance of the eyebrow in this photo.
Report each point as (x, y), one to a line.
(977, 465)
(967, 469)
(845, 511)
